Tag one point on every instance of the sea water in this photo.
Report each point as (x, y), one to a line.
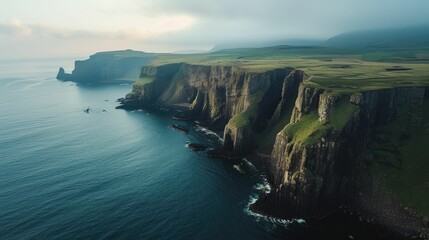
(114, 174)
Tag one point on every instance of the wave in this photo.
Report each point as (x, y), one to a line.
(36, 84)
(31, 82)
(266, 188)
(277, 221)
(263, 186)
(208, 132)
(137, 110)
(19, 81)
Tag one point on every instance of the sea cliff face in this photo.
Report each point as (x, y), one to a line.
(316, 158)
(227, 98)
(107, 67)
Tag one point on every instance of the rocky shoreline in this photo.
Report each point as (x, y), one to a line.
(315, 156)
(379, 205)
(374, 205)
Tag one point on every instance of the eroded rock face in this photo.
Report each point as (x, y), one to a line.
(309, 178)
(238, 141)
(306, 101)
(63, 76)
(314, 179)
(107, 67)
(228, 98)
(326, 104)
(289, 92)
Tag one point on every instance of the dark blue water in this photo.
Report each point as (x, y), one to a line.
(66, 174)
(114, 174)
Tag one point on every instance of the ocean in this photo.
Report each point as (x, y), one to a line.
(116, 174)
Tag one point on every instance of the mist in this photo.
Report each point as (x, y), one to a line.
(51, 28)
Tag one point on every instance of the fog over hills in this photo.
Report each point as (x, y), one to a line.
(48, 28)
(416, 36)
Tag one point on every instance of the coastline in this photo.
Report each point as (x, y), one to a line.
(256, 162)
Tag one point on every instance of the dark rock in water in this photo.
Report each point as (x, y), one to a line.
(86, 110)
(120, 100)
(196, 147)
(180, 128)
(238, 168)
(63, 76)
(104, 110)
(183, 118)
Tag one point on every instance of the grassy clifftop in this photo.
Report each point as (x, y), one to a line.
(309, 130)
(337, 70)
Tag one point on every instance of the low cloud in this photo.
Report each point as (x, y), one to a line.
(16, 28)
(169, 25)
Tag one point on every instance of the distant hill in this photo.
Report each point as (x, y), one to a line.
(289, 42)
(382, 38)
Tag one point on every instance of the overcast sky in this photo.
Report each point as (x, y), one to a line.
(47, 28)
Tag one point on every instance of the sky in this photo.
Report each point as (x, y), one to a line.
(67, 28)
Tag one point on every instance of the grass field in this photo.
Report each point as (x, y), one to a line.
(401, 163)
(338, 70)
(143, 81)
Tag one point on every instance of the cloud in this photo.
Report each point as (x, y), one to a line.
(319, 17)
(16, 28)
(167, 25)
(226, 21)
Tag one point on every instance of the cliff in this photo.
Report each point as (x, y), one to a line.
(227, 98)
(320, 138)
(317, 161)
(62, 75)
(107, 67)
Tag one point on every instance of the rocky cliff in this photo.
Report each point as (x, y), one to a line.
(317, 156)
(316, 162)
(227, 98)
(107, 67)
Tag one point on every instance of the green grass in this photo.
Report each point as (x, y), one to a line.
(405, 173)
(337, 70)
(267, 137)
(143, 81)
(123, 54)
(341, 113)
(309, 130)
(244, 118)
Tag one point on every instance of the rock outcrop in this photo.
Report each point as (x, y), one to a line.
(315, 172)
(317, 157)
(227, 98)
(107, 67)
(62, 75)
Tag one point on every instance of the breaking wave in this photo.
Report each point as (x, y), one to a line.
(209, 133)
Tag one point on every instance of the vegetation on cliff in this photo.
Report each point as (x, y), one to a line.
(245, 118)
(338, 70)
(314, 122)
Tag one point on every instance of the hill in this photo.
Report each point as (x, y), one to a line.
(382, 38)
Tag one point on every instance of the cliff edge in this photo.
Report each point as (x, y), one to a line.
(318, 140)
